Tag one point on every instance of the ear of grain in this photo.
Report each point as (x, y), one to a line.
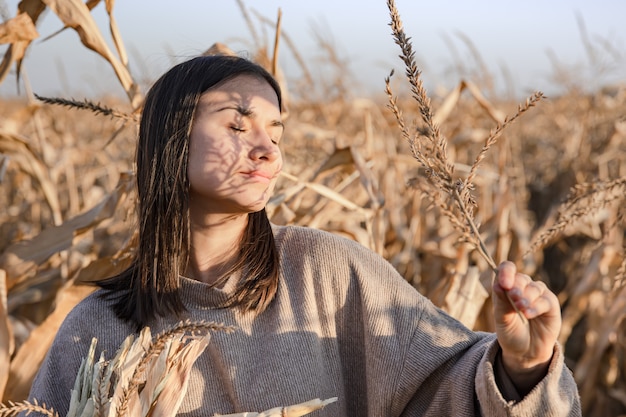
(583, 201)
(429, 148)
(27, 407)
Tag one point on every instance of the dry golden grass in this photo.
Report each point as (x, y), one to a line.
(546, 192)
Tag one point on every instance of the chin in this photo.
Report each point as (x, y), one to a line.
(256, 207)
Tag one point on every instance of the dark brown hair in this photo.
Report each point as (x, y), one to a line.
(149, 287)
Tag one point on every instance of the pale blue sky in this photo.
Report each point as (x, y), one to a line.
(512, 37)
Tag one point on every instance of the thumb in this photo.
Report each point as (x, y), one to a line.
(504, 282)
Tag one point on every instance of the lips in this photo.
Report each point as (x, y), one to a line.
(263, 174)
(260, 175)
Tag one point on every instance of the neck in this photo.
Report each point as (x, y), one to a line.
(214, 246)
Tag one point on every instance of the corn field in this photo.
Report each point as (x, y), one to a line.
(545, 178)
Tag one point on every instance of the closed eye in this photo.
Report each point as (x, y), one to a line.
(237, 129)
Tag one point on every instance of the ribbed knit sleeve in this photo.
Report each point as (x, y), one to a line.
(405, 356)
(555, 395)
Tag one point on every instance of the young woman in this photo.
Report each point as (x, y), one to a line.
(318, 316)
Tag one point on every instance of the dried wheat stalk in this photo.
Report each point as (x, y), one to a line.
(96, 108)
(584, 200)
(134, 383)
(181, 343)
(13, 409)
(429, 147)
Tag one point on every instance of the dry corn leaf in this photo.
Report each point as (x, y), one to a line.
(90, 5)
(581, 291)
(281, 197)
(154, 380)
(75, 14)
(366, 175)
(105, 267)
(328, 193)
(352, 231)
(18, 29)
(15, 52)
(115, 33)
(497, 115)
(125, 365)
(448, 104)
(175, 377)
(452, 99)
(21, 152)
(296, 410)
(466, 297)
(20, 260)
(4, 164)
(586, 368)
(340, 156)
(33, 8)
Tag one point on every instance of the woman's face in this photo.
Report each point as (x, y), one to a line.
(234, 159)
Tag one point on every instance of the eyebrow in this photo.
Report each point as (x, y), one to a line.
(248, 112)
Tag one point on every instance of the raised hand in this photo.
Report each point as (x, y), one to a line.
(527, 345)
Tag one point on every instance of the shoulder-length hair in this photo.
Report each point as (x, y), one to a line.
(149, 287)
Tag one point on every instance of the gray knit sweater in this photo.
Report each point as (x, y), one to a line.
(343, 324)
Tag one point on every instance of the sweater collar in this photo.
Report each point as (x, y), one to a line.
(200, 296)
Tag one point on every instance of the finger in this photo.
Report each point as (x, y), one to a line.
(506, 275)
(526, 289)
(540, 306)
(534, 299)
(504, 304)
(514, 299)
(534, 290)
(546, 304)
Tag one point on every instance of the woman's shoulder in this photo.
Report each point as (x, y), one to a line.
(93, 305)
(93, 316)
(335, 255)
(311, 238)
(339, 268)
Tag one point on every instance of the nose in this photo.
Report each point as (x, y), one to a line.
(263, 148)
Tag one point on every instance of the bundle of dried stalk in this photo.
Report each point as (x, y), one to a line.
(148, 376)
(452, 195)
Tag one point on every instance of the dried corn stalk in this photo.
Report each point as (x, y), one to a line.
(147, 377)
(151, 375)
